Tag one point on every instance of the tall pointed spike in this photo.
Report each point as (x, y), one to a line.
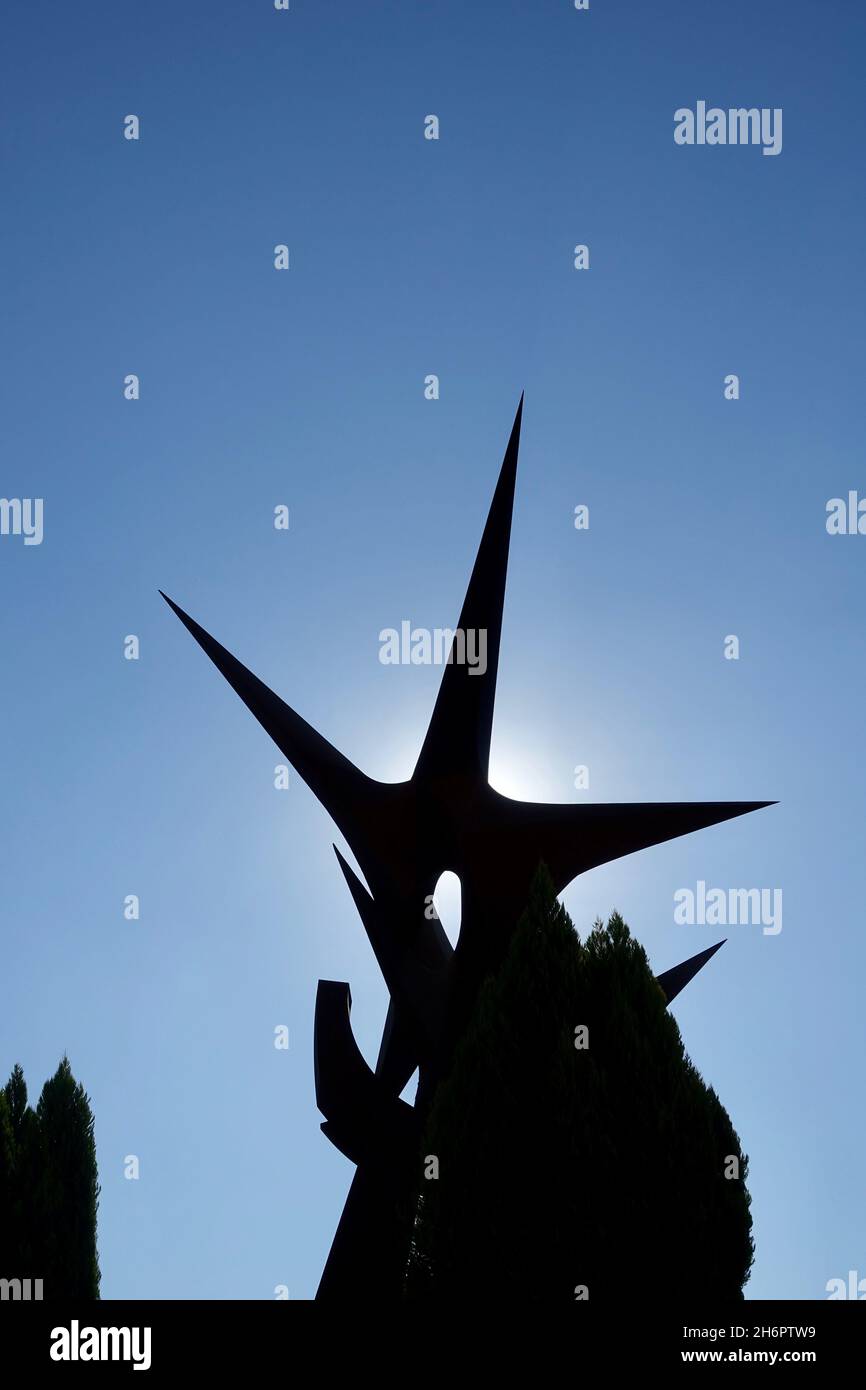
(458, 738)
(346, 792)
(572, 839)
(672, 981)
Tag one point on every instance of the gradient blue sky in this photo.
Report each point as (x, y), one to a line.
(306, 388)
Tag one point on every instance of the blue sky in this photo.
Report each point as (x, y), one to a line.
(305, 387)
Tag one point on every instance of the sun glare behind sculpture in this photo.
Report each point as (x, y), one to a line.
(515, 775)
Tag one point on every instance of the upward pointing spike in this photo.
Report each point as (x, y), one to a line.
(338, 784)
(672, 981)
(458, 739)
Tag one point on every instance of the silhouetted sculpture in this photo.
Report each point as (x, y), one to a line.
(404, 836)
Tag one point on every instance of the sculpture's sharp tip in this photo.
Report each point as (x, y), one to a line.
(203, 638)
(515, 428)
(674, 981)
(172, 605)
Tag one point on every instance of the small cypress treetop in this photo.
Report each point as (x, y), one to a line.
(68, 1190)
(16, 1096)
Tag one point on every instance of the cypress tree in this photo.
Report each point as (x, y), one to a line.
(565, 1168)
(67, 1189)
(20, 1244)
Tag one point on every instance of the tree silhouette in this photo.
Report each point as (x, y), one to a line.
(16, 1096)
(579, 1152)
(20, 1174)
(49, 1190)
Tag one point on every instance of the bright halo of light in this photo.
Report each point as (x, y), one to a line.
(515, 774)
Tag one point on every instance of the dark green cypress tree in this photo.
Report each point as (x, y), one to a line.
(67, 1188)
(562, 1167)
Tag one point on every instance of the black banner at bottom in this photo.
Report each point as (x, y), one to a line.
(218, 1338)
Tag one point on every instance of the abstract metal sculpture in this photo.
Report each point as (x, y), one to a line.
(404, 836)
